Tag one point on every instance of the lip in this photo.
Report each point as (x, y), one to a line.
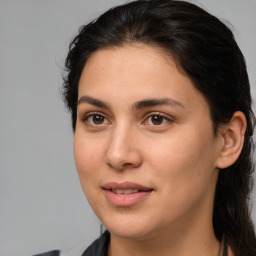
(126, 200)
(125, 185)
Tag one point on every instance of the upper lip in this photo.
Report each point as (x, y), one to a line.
(125, 185)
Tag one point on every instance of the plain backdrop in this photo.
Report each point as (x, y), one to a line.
(42, 206)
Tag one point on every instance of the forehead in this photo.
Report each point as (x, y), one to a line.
(136, 71)
(129, 56)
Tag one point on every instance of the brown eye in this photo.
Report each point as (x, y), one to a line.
(96, 119)
(157, 120)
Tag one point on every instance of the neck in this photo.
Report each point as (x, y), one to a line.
(197, 243)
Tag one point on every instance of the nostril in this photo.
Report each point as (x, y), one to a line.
(126, 164)
(119, 166)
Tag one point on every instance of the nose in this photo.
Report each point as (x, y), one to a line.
(123, 150)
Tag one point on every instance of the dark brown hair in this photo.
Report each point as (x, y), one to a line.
(205, 50)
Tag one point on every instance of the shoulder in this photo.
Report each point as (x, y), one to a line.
(50, 253)
(98, 248)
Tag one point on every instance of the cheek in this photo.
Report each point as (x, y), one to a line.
(183, 170)
(88, 157)
(88, 160)
(186, 159)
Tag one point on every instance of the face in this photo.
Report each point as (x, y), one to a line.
(144, 145)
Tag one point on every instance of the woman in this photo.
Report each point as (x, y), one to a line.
(161, 112)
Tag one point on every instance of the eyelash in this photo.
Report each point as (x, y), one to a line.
(91, 115)
(164, 119)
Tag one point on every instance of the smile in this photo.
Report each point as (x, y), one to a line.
(125, 191)
(125, 194)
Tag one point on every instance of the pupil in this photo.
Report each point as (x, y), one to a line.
(98, 119)
(157, 120)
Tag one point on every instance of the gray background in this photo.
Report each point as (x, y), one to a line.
(42, 206)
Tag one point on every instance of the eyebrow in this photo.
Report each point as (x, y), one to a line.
(157, 102)
(93, 101)
(137, 105)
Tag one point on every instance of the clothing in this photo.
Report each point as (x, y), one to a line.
(51, 253)
(100, 248)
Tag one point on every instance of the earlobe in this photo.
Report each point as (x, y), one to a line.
(232, 140)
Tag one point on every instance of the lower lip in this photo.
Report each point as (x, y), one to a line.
(125, 200)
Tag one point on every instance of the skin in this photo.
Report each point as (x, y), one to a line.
(178, 157)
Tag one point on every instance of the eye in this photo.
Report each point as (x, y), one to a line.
(95, 119)
(157, 119)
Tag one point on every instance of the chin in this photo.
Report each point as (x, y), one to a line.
(130, 228)
(129, 234)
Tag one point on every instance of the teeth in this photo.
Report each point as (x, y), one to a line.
(125, 191)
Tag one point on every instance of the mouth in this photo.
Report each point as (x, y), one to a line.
(128, 191)
(125, 191)
(126, 188)
(125, 194)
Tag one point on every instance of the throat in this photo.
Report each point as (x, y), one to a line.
(166, 247)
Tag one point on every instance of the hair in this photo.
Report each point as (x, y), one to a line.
(205, 50)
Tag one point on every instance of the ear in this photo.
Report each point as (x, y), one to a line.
(231, 140)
